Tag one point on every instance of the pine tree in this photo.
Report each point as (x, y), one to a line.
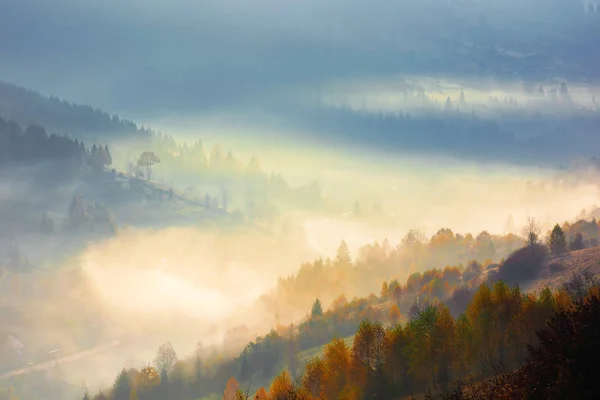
(244, 367)
(122, 386)
(342, 256)
(108, 160)
(558, 241)
(448, 106)
(317, 309)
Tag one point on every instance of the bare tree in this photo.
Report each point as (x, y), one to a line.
(165, 358)
(531, 232)
(146, 160)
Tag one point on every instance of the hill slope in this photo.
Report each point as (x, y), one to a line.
(575, 261)
(27, 107)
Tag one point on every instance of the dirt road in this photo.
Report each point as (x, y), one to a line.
(70, 358)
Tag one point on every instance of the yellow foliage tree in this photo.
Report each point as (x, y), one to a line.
(394, 314)
(312, 380)
(231, 389)
(336, 363)
(282, 387)
(147, 378)
(261, 394)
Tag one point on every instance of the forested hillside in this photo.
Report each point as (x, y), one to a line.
(27, 107)
(421, 337)
(213, 175)
(48, 158)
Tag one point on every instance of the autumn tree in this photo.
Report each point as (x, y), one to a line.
(282, 387)
(147, 379)
(557, 241)
(336, 368)
(564, 362)
(261, 394)
(394, 314)
(146, 160)
(385, 290)
(396, 365)
(312, 379)
(368, 355)
(231, 389)
(443, 346)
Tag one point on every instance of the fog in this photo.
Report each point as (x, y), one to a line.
(171, 278)
(282, 130)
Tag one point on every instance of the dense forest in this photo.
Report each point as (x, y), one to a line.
(27, 107)
(47, 158)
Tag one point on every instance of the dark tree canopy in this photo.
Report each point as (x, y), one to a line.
(317, 309)
(558, 241)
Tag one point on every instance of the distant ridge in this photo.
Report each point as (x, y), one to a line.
(28, 107)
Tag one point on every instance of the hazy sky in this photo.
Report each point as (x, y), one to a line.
(272, 59)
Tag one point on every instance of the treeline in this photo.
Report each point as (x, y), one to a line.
(244, 185)
(463, 322)
(377, 262)
(427, 355)
(28, 107)
(59, 157)
(536, 346)
(472, 255)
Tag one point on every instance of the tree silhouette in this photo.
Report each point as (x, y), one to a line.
(558, 241)
(122, 386)
(165, 358)
(531, 232)
(342, 256)
(146, 160)
(563, 365)
(317, 309)
(576, 243)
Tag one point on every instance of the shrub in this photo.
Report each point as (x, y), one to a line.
(579, 284)
(523, 265)
(556, 267)
(576, 243)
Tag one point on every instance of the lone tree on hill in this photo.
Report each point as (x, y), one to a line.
(558, 241)
(146, 160)
(531, 232)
